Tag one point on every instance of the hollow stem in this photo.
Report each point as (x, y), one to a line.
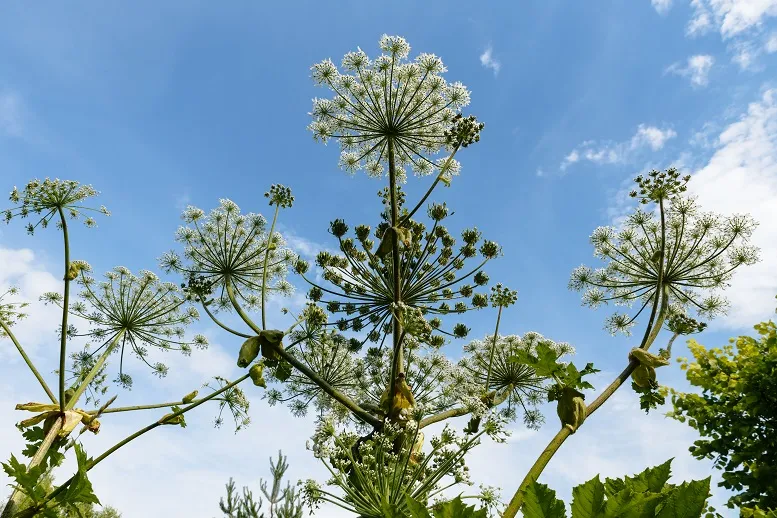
(32, 510)
(65, 310)
(270, 248)
(493, 348)
(326, 387)
(396, 329)
(93, 372)
(561, 436)
(40, 455)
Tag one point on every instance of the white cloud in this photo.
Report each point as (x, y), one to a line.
(771, 44)
(745, 54)
(10, 114)
(21, 269)
(182, 201)
(730, 17)
(620, 152)
(702, 138)
(740, 21)
(651, 136)
(741, 177)
(697, 69)
(488, 60)
(661, 6)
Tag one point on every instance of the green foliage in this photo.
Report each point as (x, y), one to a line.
(650, 397)
(82, 510)
(644, 495)
(34, 437)
(545, 362)
(735, 413)
(33, 483)
(451, 509)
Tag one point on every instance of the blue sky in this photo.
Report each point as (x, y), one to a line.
(159, 106)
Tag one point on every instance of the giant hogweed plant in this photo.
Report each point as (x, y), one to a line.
(367, 352)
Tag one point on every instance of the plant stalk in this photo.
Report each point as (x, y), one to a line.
(326, 387)
(123, 442)
(270, 245)
(39, 456)
(397, 361)
(65, 308)
(539, 465)
(93, 372)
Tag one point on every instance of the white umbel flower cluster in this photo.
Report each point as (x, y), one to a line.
(388, 106)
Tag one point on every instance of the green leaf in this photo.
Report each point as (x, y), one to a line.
(417, 509)
(652, 479)
(282, 371)
(26, 481)
(80, 488)
(540, 502)
(631, 504)
(588, 499)
(544, 363)
(686, 500)
(451, 509)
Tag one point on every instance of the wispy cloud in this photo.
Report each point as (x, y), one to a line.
(645, 137)
(182, 201)
(730, 17)
(488, 61)
(746, 54)
(741, 177)
(771, 43)
(661, 6)
(10, 114)
(740, 22)
(697, 69)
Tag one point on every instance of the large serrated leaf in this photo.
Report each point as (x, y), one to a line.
(540, 502)
(687, 500)
(588, 499)
(417, 509)
(652, 479)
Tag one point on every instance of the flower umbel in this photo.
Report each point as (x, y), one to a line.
(433, 285)
(680, 250)
(10, 312)
(516, 383)
(45, 199)
(233, 400)
(226, 246)
(139, 311)
(391, 102)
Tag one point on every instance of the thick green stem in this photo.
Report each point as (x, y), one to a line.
(651, 332)
(28, 361)
(493, 348)
(270, 248)
(491, 399)
(434, 184)
(93, 372)
(139, 407)
(123, 442)
(43, 449)
(326, 387)
(396, 329)
(561, 436)
(65, 309)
